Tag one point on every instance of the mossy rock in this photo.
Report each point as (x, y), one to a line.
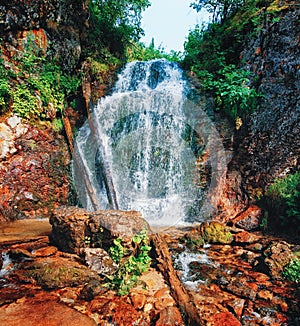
(215, 232)
(55, 273)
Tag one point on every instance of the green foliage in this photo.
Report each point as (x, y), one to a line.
(203, 49)
(212, 53)
(5, 89)
(114, 25)
(24, 102)
(292, 271)
(231, 91)
(139, 51)
(283, 202)
(117, 251)
(131, 267)
(220, 9)
(42, 86)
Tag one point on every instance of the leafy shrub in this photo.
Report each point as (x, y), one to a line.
(220, 9)
(5, 89)
(283, 202)
(42, 86)
(292, 271)
(231, 90)
(24, 102)
(212, 52)
(130, 268)
(212, 60)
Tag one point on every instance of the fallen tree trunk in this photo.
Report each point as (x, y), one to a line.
(108, 181)
(80, 164)
(178, 291)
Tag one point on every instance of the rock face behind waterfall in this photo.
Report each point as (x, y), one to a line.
(33, 170)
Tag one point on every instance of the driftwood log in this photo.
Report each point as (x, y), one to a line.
(178, 291)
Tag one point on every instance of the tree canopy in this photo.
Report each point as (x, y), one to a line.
(116, 23)
(220, 9)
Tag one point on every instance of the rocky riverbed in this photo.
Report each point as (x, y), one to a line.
(237, 282)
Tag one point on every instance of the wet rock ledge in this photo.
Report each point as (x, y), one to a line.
(231, 276)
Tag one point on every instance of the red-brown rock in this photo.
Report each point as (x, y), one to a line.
(245, 237)
(116, 311)
(224, 319)
(42, 311)
(249, 219)
(138, 300)
(170, 316)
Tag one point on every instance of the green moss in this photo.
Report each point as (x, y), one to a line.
(48, 274)
(215, 232)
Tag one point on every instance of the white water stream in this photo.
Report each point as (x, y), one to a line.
(152, 140)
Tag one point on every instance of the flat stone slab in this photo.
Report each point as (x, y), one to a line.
(40, 311)
(24, 230)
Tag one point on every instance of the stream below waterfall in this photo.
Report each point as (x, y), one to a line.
(150, 146)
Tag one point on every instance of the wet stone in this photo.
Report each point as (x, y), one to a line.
(98, 260)
(170, 316)
(42, 311)
(275, 258)
(237, 305)
(52, 273)
(224, 319)
(250, 219)
(92, 289)
(245, 237)
(138, 300)
(74, 228)
(117, 312)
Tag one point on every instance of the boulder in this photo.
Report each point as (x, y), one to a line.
(215, 232)
(105, 226)
(275, 258)
(69, 228)
(75, 228)
(249, 219)
(53, 273)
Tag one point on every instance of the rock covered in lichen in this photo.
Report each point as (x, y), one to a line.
(215, 232)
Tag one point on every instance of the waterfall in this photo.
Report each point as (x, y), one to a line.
(156, 145)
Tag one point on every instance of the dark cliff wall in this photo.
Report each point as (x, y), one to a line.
(269, 145)
(59, 25)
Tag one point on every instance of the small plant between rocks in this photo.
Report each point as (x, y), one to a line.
(130, 267)
(292, 271)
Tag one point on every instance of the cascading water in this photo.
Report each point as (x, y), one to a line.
(143, 148)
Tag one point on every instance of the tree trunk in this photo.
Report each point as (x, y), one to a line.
(178, 291)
